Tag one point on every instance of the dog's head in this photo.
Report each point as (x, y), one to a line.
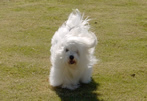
(76, 49)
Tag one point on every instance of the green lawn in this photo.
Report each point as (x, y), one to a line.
(26, 28)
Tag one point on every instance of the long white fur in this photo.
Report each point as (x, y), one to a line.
(81, 42)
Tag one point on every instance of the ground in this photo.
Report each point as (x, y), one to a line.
(26, 29)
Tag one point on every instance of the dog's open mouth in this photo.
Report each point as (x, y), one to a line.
(72, 62)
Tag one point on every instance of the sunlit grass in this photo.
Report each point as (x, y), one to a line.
(26, 28)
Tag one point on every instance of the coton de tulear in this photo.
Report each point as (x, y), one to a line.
(72, 53)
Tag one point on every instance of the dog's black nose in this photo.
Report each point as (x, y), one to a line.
(71, 57)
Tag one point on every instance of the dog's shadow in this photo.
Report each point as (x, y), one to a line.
(86, 92)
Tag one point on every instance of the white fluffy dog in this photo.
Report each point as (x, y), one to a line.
(72, 53)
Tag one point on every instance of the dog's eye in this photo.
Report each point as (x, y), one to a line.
(66, 50)
(77, 52)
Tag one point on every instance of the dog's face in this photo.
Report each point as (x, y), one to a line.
(71, 53)
(75, 49)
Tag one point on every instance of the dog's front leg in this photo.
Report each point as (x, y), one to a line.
(55, 77)
(86, 77)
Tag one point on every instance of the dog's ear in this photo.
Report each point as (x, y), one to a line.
(90, 41)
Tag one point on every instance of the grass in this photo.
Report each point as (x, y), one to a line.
(26, 28)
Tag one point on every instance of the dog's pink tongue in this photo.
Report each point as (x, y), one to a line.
(72, 62)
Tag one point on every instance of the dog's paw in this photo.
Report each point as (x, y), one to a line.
(55, 83)
(86, 80)
(71, 87)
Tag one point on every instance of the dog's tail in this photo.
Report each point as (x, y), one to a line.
(75, 19)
